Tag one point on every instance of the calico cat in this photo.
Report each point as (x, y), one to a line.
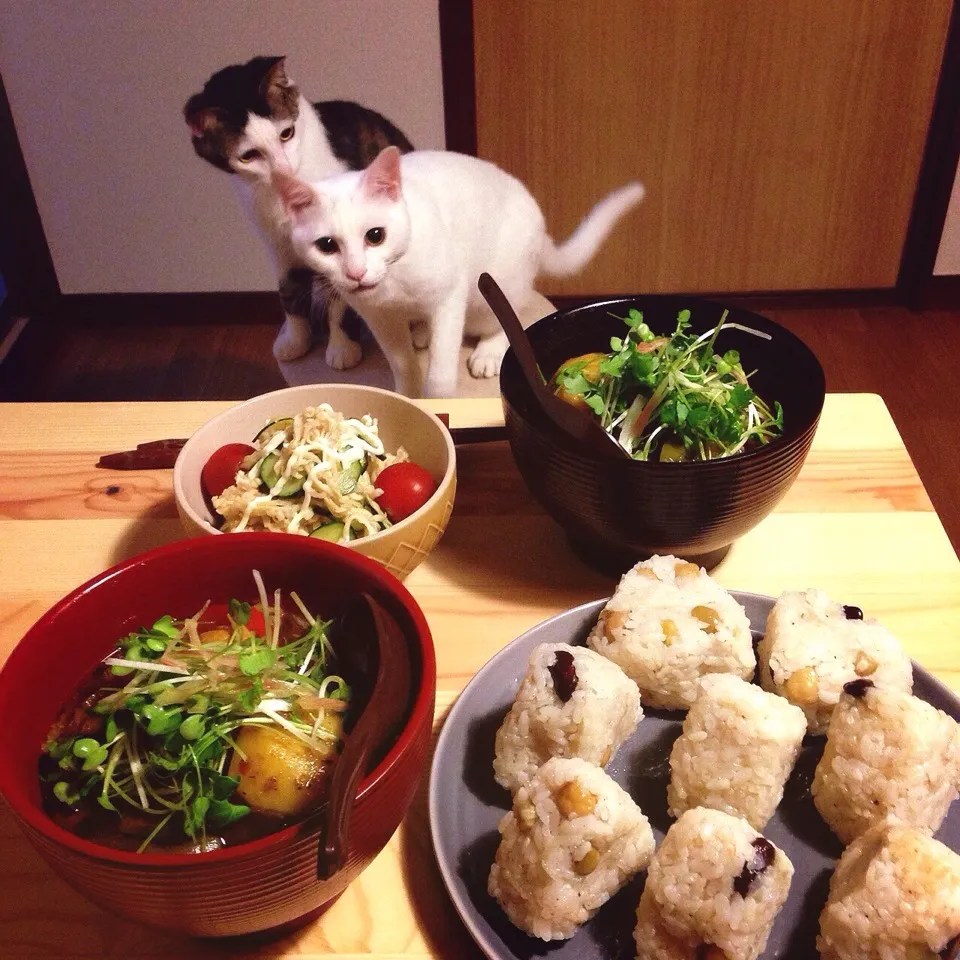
(251, 120)
(404, 242)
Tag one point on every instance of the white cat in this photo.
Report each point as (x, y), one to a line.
(404, 242)
(251, 120)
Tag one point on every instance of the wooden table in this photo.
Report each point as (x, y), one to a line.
(857, 523)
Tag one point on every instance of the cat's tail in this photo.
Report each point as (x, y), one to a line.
(561, 260)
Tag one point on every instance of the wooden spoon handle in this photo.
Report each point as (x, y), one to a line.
(510, 322)
(379, 719)
(577, 423)
(350, 767)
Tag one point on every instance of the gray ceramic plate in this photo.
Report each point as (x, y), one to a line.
(466, 805)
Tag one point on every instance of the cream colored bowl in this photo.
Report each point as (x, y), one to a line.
(399, 548)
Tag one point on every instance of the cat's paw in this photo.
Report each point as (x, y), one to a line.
(292, 342)
(485, 360)
(420, 332)
(344, 354)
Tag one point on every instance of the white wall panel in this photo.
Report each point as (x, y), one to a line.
(97, 89)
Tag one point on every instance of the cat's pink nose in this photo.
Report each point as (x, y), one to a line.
(355, 273)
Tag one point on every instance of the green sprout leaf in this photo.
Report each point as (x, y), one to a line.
(740, 396)
(239, 611)
(576, 383)
(65, 793)
(595, 403)
(155, 645)
(222, 786)
(249, 698)
(222, 813)
(256, 660)
(57, 749)
(194, 814)
(166, 762)
(165, 627)
(159, 721)
(193, 727)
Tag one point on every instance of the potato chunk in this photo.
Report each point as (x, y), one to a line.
(279, 774)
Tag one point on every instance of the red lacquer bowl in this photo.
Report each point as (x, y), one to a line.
(255, 886)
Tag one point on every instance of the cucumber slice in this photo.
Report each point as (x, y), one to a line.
(269, 475)
(350, 475)
(284, 423)
(331, 531)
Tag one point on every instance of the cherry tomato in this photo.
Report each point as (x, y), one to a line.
(220, 470)
(405, 488)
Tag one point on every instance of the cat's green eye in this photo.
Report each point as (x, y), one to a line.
(375, 236)
(248, 155)
(286, 134)
(326, 245)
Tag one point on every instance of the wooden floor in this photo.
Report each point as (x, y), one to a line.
(911, 359)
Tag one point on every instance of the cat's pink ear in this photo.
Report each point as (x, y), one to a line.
(295, 195)
(382, 177)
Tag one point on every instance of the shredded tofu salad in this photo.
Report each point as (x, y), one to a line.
(313, 474)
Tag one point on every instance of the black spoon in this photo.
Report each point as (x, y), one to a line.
(570, 419)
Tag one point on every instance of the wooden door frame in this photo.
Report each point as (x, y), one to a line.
(458, 70)
(916, 286)
(916, 283)
(25, 260)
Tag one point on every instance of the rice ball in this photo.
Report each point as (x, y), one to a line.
(813, 645)
(888, 754)
(668, 624)
(895, 894)
(571, 703)
(714, 884)
(737, 748)
(572, 839)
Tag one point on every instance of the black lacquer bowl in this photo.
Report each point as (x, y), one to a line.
(618, 511)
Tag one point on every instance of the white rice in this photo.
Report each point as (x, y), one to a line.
(888, 754)
(810, 650)
(669, 623)
(695, 895)
(894, 895)
(572, 839)
(737, 748)
(602, 711)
